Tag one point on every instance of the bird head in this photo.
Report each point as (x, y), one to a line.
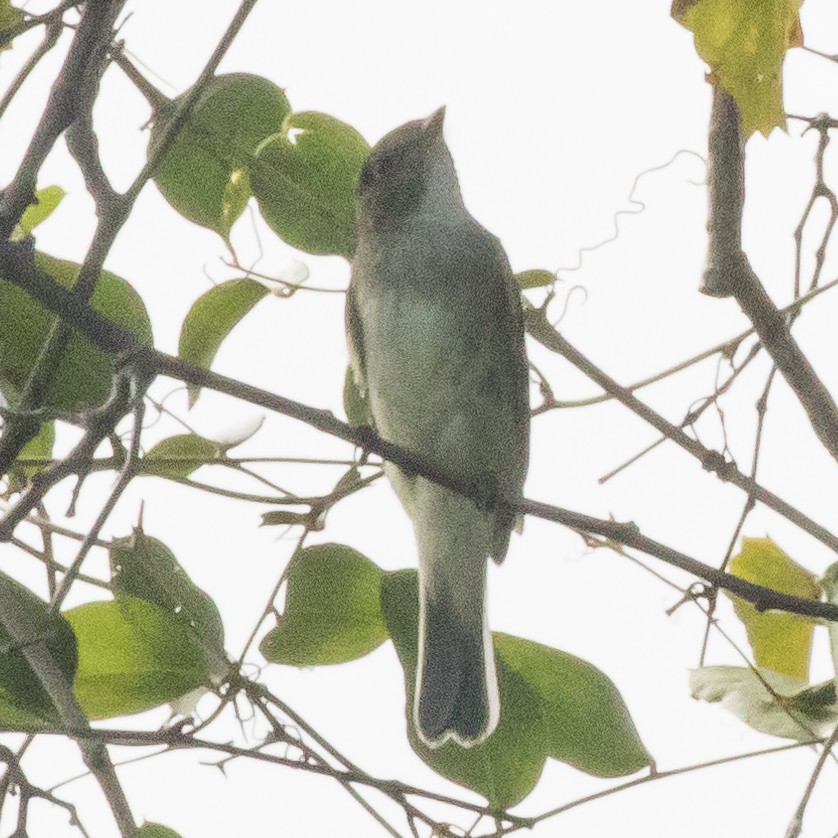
(408, 168)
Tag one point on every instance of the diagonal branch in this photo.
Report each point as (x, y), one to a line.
(60, 691)
(148, 361)
(729, 273)
(81, 70)
(538, 327)
(73, 94)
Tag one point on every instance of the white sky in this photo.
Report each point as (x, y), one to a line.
(553, 110)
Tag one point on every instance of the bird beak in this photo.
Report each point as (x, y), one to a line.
(433, 124)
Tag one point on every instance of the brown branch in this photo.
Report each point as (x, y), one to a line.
(796, 825)
(15, 778)
(792, 308)
(100, 424)
(129, 469)
(73, 92)
(73, 89)
(729, 273)
(81, 69)
(147, 361)
(56, 14)
(42, 663)
(662, 775)
(150, 93)
(538, 327)
(51, 33)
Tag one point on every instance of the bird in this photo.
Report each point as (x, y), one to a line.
(436, 342)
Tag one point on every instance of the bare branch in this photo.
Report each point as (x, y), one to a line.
(729, 273)
(60, 692)
(113, 338)
(51, 33)
(544, 333)
(796, 825)
(81, 70)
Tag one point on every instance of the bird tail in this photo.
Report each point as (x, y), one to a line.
(456, 683)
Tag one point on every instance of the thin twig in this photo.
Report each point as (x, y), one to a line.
(538, 326)
(127, 474)
(113, 338)
(724, 346)
(663, 775)
(796, 824)
(51, 33)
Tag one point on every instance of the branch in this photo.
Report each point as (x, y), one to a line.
(129, 469)
(796, 825)
(793, 308)
(60, 692)
(662, 775)
(539, 328)
(729, 273)
(74, 87)
(81, 69)
(100, 424)
(148, 361)
(8, 35)
(51, 33)
(150, 93)
(16, 779)
(72, 93)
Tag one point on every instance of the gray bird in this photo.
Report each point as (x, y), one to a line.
(436, 340)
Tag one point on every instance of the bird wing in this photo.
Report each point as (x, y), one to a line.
(355, 339)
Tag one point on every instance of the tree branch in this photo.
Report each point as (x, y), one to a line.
(51, 33)
(729, 273)
(81, 69)
(539, 328)
(148, 361)
(72, 93)
(60, 692)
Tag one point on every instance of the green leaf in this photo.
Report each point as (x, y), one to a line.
(536, 278)
(552, 704)
(305, 180)
(769, 702)
(83, 374)
(504, 768)
(177, 457)
(586, 720)
(24, 703)
(10, 17)
(38, 448)
(46, 200)
(211, 318)
(332, 609)
(355, 405)
(745, 44)
(156, 830)
(145, 568)
(780, 641)
(204, 173)
(133, 656)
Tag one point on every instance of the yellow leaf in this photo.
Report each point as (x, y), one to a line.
(745, 42)
(780, 641)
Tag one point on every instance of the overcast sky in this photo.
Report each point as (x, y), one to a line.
(553, 110)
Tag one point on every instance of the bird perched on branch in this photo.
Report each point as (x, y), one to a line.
(436, 341)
